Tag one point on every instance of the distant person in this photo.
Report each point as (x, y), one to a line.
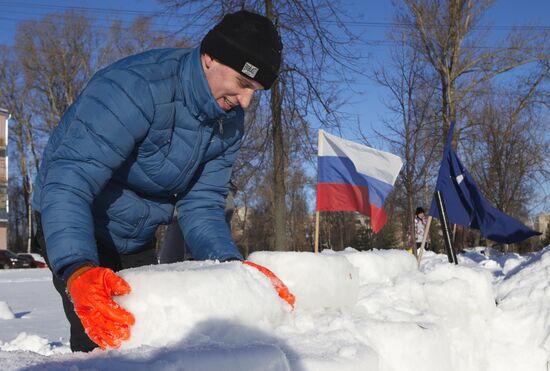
(152, 132)
(420, 221)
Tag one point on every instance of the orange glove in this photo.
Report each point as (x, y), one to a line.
(91, 290)
(281, 288)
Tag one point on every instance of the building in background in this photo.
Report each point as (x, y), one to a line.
(4, 117)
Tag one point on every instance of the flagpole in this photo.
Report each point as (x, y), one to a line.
(451, 255)
(316, 232)
(317, 214)
(424, 239)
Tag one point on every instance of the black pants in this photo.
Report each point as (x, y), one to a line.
(80, 342)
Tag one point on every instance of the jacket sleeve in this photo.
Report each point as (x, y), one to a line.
(94, 138)
(201, 211)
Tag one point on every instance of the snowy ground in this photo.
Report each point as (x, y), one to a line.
(354, 311)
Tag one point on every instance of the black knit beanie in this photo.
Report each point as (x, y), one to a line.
(248, 43)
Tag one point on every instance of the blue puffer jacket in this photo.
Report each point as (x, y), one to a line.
(144, 136)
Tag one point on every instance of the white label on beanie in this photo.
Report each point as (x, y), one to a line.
(250, 70)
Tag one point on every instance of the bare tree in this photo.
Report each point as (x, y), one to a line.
(507, 149)
(59, 54)
(337, 230)
(122, 41)
(254, 201)
(56, 56)
(453, 43)
(14, 96)
(451, 39)
(17, 218)
(315, 38)
(411, 130)
(257, 234)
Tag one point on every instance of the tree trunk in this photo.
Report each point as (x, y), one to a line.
(279, 189)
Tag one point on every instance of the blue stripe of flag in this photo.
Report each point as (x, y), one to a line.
(340, 170)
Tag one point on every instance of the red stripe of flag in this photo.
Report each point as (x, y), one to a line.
(346, 197)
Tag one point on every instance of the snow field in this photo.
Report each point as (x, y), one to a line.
(373, 310)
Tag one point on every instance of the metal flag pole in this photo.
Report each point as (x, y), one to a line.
(451, 255)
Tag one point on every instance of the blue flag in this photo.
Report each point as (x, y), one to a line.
(466, 206)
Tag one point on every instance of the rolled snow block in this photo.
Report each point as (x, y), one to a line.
(175, 302)
(378, 266)
(316, 280)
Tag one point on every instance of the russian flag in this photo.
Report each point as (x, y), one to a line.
(354, 177)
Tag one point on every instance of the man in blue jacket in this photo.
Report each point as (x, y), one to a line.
(152, 132)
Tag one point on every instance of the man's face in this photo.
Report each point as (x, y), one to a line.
(228, 87)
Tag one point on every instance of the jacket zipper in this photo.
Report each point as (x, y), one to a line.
(192, 159)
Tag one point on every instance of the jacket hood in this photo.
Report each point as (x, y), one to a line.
(197, 94)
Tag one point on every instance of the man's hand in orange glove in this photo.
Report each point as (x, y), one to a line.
(91, 290)
(281, 288)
